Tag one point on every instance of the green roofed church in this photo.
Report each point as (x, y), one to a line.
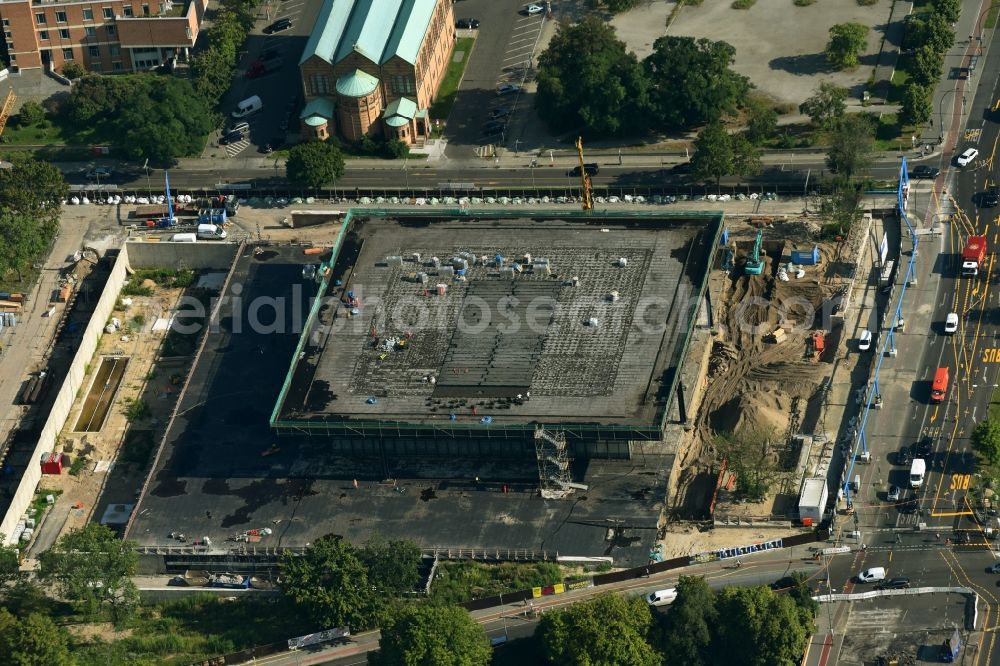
(373, 67)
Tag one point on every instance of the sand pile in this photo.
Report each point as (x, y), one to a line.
(765, 411)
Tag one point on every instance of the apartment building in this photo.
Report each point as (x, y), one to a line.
(104, 36)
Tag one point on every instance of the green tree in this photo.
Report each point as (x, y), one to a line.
(847, 42)
(394, 149)
(948, 9)
(607, 630)
(170, 121)
(393, 565)
(34, 640)
(750, 454)
(30, 113)
(32, 187)
(938, 33)
(801, 594)
(331, 583)
(73, 70)
(916, 107)
(691, 82)
(587, 81)
(422, 634)
(10, 566)
(718, 154)
(314, 164)
(761, 628)
(986, 440)
(852, 146)
(926, 66)
(211, 73)
(826, 106)
(92, 567)
(842, 207)
(620, 6)
(689, 626)
(762, 121)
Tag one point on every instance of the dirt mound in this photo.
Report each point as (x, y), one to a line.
(763, 411)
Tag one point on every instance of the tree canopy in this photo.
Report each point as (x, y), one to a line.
(719, 153)
(915, 107)
(31, 194)
(33, 640)
(852, 146)
(761, 628)
(92, 567)
(986, 440)
(690, 625)
(750, 455)
(422, 634)
(847, 42)
(332, 583)
(314, 163)
(607, 630)
(586, 79)
(826, 105)
(159, 118)
(926, 65)
(762, 121)
(691, 83)
(393, 565)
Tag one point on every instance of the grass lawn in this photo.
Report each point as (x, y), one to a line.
(899, 79)
(48, 133)
(891, 136)
(452, 78)
(991, 17)
(456, 582)
(995, 405)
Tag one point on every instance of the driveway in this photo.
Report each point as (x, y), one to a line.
(504, 54)
(280, 91)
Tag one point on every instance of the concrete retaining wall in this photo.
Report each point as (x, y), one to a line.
(199, 256)
(74, 381)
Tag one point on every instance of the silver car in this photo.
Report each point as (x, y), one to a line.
(893, 494)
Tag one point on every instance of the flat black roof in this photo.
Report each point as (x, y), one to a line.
(437, 326)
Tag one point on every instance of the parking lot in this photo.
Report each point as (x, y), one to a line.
(280, 90)
(504, 55)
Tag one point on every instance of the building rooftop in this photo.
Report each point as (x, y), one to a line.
(377, 29)
(356, 84)
(489, 325)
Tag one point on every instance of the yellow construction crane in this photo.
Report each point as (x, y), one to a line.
(7, 109)
(588, 190)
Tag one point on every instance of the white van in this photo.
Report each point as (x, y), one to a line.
(873, 575)
(917, 470)
(247, 107)
(211, 232)
(184, 238)
(662, 597)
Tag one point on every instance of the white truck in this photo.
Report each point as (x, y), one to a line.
(184, 238)
(211, 232)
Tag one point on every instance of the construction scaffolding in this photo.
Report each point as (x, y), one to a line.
(554, 478)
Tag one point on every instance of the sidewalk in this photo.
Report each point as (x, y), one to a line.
(952, 98)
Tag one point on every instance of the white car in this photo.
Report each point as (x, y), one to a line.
(508, 88)
(951, 323)
(966, 157)
(865, 340)
(533, 9)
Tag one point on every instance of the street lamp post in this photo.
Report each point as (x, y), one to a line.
(516, 143)
(941, 115)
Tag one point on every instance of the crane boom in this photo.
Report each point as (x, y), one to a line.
(7, 109)
(588, 190)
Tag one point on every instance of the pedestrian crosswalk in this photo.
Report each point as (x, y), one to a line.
(237, 147)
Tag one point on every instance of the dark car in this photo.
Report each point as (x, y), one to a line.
(904, 456)
(909, 506)
(991, 197)
(231, 137)
(467, 24)
(591, 168)
(278, 26)
(493, 128)
(270, 54)
(682, 169)
(923, 449)
(924, 171)
(899, 583)
(500, 112)
(783, 583)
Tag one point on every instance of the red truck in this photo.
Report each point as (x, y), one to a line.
(973, 255)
